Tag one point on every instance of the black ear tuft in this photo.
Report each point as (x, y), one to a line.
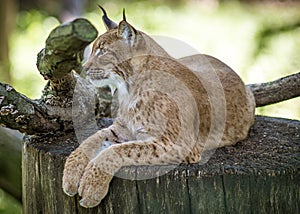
(109, 24)
(124, 17)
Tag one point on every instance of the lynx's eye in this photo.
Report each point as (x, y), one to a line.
(101, 51)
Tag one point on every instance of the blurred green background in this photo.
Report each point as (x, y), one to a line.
(260, 40)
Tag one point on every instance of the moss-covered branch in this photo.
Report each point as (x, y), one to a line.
(19, 112)
(62, 54)
(64, 49)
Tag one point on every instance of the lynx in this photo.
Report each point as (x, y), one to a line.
(168, 113)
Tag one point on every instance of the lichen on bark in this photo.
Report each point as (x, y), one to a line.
(63, 54)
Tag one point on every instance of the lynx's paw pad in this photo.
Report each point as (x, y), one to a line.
(94, 186)
(73, 171)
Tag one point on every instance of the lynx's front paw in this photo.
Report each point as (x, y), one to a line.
(73, 171)
(94, 186)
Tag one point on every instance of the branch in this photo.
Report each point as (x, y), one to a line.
(279, 90)
(64, 48)
(63, 53)
(21, 113)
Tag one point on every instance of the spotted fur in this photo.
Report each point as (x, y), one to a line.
(165, 111)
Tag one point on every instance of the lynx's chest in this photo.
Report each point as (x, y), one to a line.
(132, 114)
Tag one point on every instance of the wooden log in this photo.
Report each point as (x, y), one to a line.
(258, 175)
(276, 91)
(10, 162)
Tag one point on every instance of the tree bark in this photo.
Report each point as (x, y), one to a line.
(20, 113)
(258, 175)
(52, 113)
(277, 91)
(62, 54)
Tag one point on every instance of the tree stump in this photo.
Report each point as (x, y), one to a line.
(258, 175)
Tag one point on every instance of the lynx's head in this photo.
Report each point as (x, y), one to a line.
(109, 63)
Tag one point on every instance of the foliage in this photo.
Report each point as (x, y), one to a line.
(8, 205)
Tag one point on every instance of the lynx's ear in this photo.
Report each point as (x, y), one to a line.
(126, 31)
(109, 24)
